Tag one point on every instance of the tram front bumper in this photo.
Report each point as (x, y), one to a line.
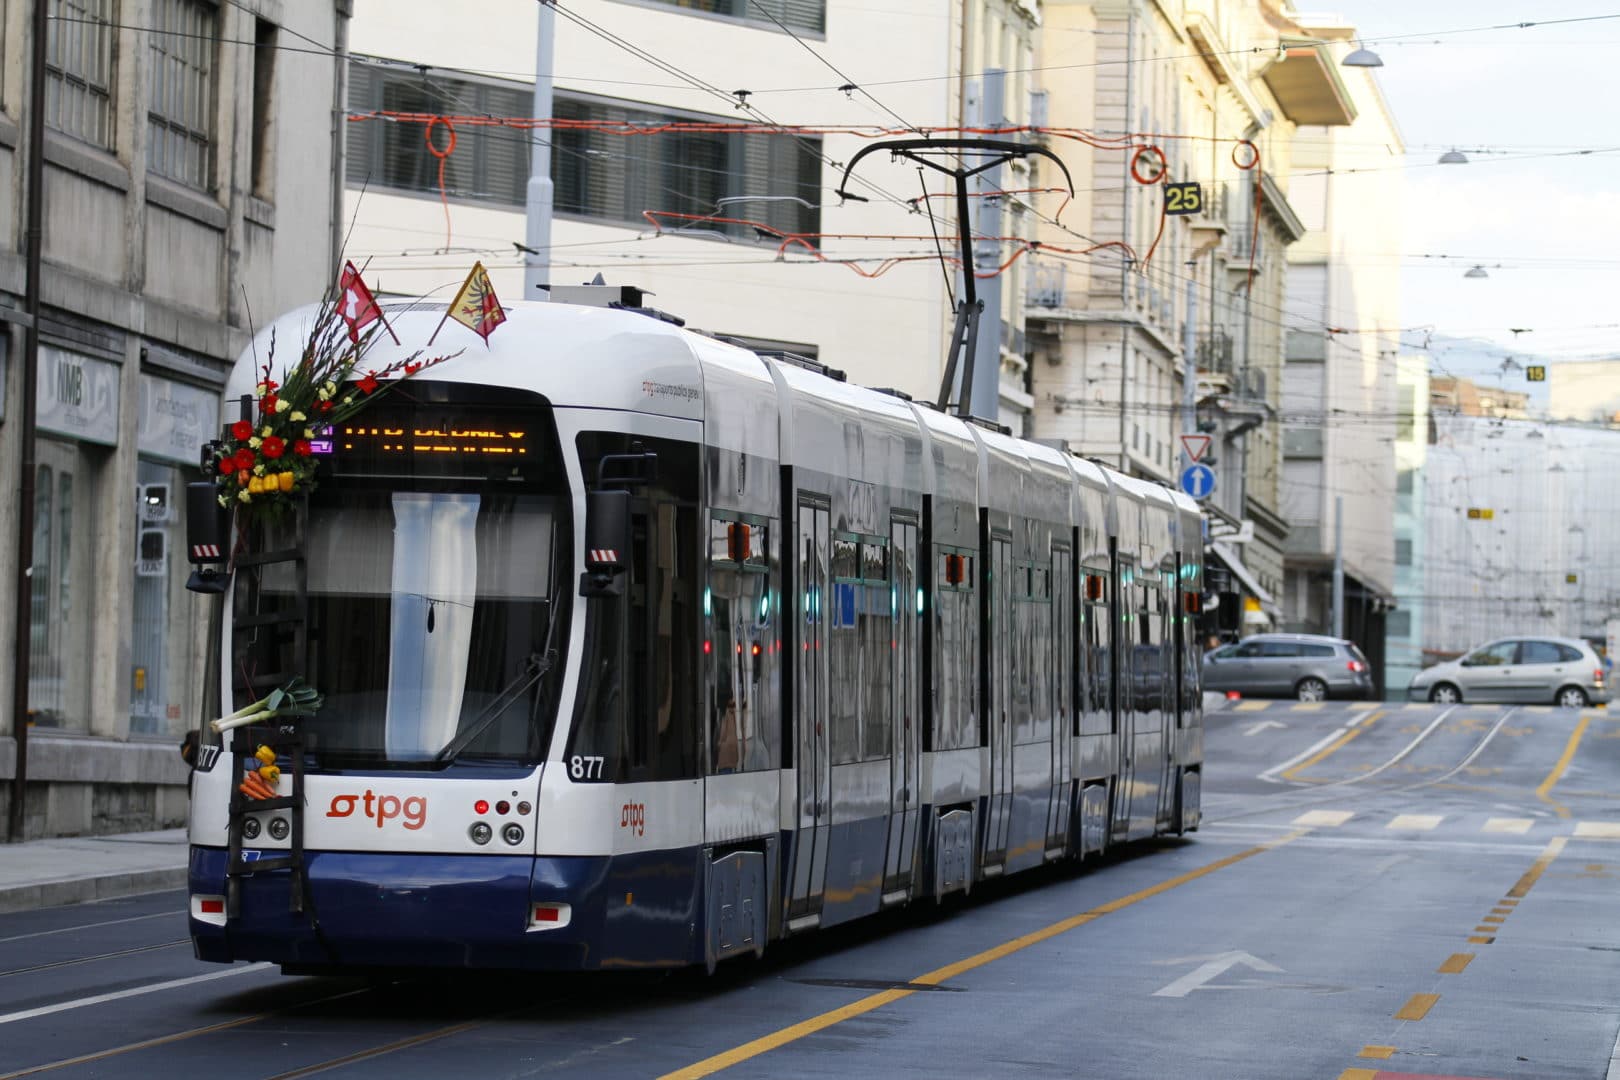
(397, 910)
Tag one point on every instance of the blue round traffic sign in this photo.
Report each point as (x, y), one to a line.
(1198, 481)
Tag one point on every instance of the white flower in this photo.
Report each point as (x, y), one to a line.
(244, 495)
(258, 470)
(224, 500)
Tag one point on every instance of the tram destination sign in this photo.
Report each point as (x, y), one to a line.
(434, 442)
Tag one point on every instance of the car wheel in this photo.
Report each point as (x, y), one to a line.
(1311, 690)
(1572, 697)
(1445, 694)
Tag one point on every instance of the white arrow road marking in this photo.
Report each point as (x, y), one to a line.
(1212, 967)
(1255, 729)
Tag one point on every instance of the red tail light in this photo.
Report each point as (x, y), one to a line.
(1597, 677)
(211, 907)
(1356, 666)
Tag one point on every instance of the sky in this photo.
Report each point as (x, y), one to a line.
(1543, 221)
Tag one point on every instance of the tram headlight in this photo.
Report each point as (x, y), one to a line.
(512, 833)
(250, 828)
(279, 828)
(480, 832)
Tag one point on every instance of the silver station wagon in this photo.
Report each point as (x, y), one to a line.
(1309, 667)
(1538, 670)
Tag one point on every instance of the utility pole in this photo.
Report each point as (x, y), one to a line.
(34, 240)
(538, 196)
(1189, 356)
(1338, 566)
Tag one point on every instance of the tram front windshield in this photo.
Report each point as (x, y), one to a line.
(435, 546)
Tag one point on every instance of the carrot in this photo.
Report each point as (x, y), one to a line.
(256, 787)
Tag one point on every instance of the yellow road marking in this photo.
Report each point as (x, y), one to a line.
(1417, 1006)
(1414, 822)
(1251, 706)
(1480, 940)
(1316, 818)
(1455, 963)
(1359, 1074)
(736, 1055)
(1486, 929)
(1378, 1052)
(1414, 706)
(1598, 830)
(1501, 911)
(1332, 747)
(1544, 791)
(1519, 825)
(1532, 875)
(1508, 903)
(1309, 706)
(1489, 919)
(1364, 706)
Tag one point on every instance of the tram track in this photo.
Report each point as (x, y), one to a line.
(1347, 789)
(73, 961)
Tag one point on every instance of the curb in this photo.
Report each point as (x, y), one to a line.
(86, 889)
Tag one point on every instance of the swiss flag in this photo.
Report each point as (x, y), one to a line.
(355, 303)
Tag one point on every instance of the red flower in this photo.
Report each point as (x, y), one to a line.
(242, 431)
(272, 447)
(368, 384)
(227, 465)
(412, 369)
(323, 406)
(267, 404)
(302, 448)
(243, 459)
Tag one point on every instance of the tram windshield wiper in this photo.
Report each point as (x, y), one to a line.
(534, 669)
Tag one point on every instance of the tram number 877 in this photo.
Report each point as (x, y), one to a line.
(587, 767)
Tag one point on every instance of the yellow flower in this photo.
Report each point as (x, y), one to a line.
(267, 431)
(258, 470)
(324, 394)
(297, 416)
(244, 496)
(224, 500)
(255, 441)
(309, 433)
(330, 388)
(349, 400)
(282, 405)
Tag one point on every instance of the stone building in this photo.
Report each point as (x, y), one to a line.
(188, 153)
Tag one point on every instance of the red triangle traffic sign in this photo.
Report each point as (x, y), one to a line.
(1195, 445)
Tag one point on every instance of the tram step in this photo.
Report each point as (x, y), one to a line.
(254, 866)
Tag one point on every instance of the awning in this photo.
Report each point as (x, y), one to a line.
(1241, 572)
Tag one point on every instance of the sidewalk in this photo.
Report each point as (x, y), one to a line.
(72, 870)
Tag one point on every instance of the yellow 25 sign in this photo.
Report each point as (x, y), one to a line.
(1185, 198)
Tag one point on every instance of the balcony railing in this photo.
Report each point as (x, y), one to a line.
(1215, 353)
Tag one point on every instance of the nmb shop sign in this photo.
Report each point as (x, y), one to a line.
(78, 396)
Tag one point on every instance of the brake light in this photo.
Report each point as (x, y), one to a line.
(211, 907)
(1356, 666)
(1597, 677)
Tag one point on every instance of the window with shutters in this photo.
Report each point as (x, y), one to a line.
(180, 120)
(808, 15)
(601, 175)
(79, 70)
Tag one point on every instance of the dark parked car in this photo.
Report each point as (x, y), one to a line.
(1304, 666)
(1544, 670)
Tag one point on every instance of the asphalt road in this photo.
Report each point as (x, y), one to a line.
(1376, 892)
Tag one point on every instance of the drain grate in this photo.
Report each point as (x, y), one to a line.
(877, 984)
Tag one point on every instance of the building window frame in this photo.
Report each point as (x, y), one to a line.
(799, 16)
(80, 70)
(182, 109)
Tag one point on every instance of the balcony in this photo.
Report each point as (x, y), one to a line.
(1215, 353)
(1047, 282)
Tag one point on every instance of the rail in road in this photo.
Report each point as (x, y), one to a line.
(1376, 892)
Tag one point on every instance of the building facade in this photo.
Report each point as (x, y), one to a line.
(1215, 90)
(1339, 397)
(739, 233)
(188, 154)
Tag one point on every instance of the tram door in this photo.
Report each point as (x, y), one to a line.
(999, 706)
(1124, 704)
(812, 755)
(1060, 629)
(906, 709)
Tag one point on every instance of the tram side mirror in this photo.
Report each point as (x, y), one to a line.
(607, 543)
(208, 538)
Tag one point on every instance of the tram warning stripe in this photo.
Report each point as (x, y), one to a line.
(1384, 1074)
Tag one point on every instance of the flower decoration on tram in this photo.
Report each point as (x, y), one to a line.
(268, 457)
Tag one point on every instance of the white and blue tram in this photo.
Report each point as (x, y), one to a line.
(640, 648)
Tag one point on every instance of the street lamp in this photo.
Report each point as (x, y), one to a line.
(1453, 157)
(1476, 272)
(1362, 57)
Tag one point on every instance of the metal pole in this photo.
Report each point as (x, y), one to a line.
(34, 239)
(537, 235)
(1189, 358)
(986, 394)
(1338, 566)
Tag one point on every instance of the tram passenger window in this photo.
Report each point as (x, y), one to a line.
(741, 647)
(877, 651)
(956, 650)
(844, 675)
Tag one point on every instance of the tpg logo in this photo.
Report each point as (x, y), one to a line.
(382, 807)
